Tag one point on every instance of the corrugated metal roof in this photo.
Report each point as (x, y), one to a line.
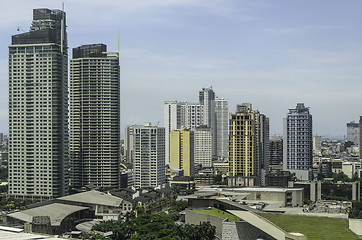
(6, 235)
(56, 211)
(94, 197)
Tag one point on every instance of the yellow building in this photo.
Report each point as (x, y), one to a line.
(182, 150)
(248, 145)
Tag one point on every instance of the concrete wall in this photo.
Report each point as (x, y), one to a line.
(270, 229)
(356, 191)
(268, 196)
(355, 225)
(261, 223)
(192, 217)
(315, 191)
(242, 230)
(298, 198)
(229, 231)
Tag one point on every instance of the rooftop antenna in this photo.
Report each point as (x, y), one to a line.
(118, 43)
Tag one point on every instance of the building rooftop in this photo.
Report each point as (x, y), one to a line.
(94, 197)
(7, 235)
(249, 189)
(56, 212)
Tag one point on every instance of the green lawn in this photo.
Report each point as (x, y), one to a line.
(318, 228)
(219, 213)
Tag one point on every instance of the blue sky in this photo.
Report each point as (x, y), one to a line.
(272, 54)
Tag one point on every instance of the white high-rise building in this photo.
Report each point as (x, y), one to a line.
(180, 114)
(38, 108)
(203, 146)
(191, 114)
(298, 142)
(317, 143)
(222, 127)
(146, 148)
(204, 113)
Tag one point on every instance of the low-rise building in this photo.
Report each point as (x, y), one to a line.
(222, 167)
(285, 197)
(148, 198)
(55, 218)
(350, 168)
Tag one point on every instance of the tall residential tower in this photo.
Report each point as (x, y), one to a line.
(145, 146)
(353, 132)
(248, 146)
(222, 128)
(210, 111)
(38, 108)
(94, 116)
(298, 142)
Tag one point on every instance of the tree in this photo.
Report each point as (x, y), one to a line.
(203, 231)
(356, 211)
(340, 177)
(355, 177)
(120, 231)
(3, 173)
(156, 226)
(180, 206)
(96, 237)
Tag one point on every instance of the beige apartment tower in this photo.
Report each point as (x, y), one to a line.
(182, 151)
(94, 116)
(248, 146)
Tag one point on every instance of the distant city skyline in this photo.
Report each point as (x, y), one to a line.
(271, 54)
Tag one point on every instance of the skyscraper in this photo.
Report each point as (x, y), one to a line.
(248, 145)
(171, 120)
(360, 137)
(145, 146)
(222, 130)
(94, 116)
(180, 114)
(203, 113)
(276, 151)
(207, 100)
(203, 146)
(298, 142)
(353, 132)
(38, 108)
(182, 150)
